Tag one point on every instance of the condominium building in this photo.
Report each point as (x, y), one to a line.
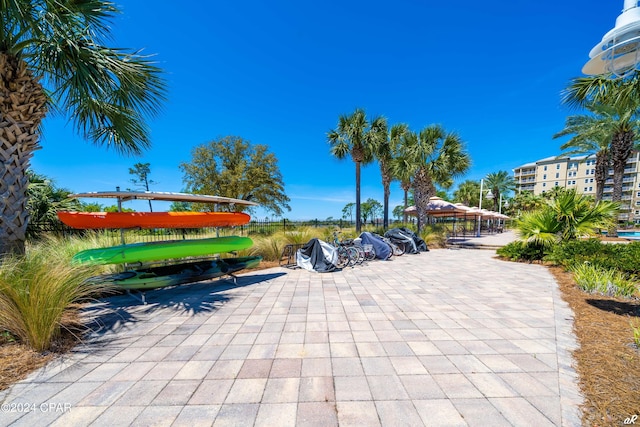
(579, 173)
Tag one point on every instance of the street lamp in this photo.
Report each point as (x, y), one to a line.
(619, 50)
(489, 197)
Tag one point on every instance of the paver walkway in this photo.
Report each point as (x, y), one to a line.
(446, 337)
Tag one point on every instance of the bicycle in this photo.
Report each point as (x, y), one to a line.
(347, 251)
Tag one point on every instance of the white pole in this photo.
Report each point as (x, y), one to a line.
(480, 207)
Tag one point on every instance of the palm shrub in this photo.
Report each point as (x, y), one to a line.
(40, 293)
(569, 216)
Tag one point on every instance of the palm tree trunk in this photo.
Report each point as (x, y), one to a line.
(602, 167)
(386, 184)
(22, 108)
(358, 218)
(621, 147)
(423, 188)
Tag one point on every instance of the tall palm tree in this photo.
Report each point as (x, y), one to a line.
(384, 144)
(622, 97)
(352, 137)
(402, 170)
(500, 183)
(106, 92)
(436, 157)
(592, 135)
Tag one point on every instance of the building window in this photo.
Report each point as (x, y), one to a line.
(591, 180)
(558, 166)
(556, 183)
(544, 176)
(590, 188)
(545, 168)
(593, 171)
(586, 181)
(585, 189)
(557, 176)
(544, 184)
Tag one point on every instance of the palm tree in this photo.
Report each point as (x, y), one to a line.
(352, 136)
(435, 157)
(622, 98)
(468, 193)
(499, 183)
(106, 92)
(592, 135)
(402, 170)
(384, 144)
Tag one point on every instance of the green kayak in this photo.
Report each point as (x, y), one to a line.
(155, 251)
(177, 274)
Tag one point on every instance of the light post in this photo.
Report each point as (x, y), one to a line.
(489, 196)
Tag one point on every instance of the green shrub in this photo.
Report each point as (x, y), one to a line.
(39, 293)
(591, 278)
(622, 257)
(522, 251)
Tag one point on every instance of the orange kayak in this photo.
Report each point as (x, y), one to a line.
(152, 219)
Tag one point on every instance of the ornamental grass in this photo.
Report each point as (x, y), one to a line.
(40, 293)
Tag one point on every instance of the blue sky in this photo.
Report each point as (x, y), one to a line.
(280, 73)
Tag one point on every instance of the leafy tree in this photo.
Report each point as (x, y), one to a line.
(347, 211)
(468, 193)
(622, 98)
(106, 92)
(370, 210)
(500, 183)
(567, 217)
(353, 137)
(592, 134)
(141, 173)
(435, 157)
(232, 167)
(398, 212)
(91, 207)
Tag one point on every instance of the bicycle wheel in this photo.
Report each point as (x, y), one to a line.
(343, 257)
(354, 257)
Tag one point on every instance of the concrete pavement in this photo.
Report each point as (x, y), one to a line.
(446, 337)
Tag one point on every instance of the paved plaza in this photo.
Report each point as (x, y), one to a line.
(450, 337)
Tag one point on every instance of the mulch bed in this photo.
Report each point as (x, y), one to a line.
(607, 361)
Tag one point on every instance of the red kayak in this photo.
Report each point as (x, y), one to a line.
(152, 219)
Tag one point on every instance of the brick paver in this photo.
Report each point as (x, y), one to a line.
(446, 337)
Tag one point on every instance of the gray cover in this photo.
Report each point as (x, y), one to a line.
(317, 256)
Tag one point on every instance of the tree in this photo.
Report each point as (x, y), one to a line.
(525, 201)
(45, 199)
(468, 193)
(370, 209)
(398, 212)
(592, 135)
(106, 92)
(352, 137)
(383, 145)
(232, 167)
(347, 211)
(622, 97)
(141, 171)
(402, 170)
(499, 183)
(436, 157)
